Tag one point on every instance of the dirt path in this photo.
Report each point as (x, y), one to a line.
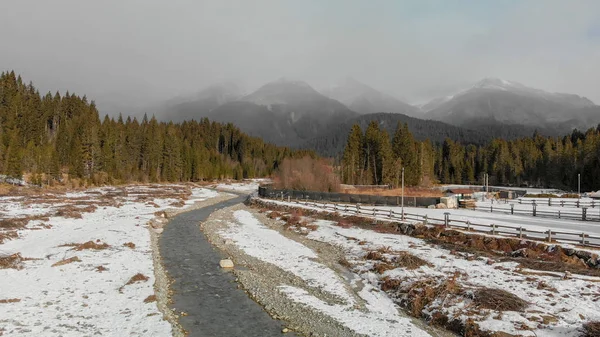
(209, 297)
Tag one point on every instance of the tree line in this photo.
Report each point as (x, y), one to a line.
(373, 157)
(53, 137)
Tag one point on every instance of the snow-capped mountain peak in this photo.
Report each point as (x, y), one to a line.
(497, 84)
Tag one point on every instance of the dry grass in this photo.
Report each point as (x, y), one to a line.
(69, 211)
(150, 299)
(344, 262)
(139, 277)
(129, 244)
(10, 300)
(397, 260)
(13, 223)
(14, 261)
(382, 267)
(375, 255)
(422, 293)
(274, 215)
(66, 261)
(409, 261)
(179, 203)
(101, 269)
(8, 235)
(591, 329)
(497, 299)
(87, 245)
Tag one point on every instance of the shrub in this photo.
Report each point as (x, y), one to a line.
(307, 174)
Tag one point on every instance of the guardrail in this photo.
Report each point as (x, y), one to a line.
(520, 232)
(581, 214)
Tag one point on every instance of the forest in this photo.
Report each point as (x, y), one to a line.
(375, 157)
(58, 137)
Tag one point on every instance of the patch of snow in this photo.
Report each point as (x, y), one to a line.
(78, 299)
(378, 323)
(573, 304)
(268, 245)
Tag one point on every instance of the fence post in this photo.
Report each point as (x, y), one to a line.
(512, 209)
(520, 232)
(559, 213)
(549, 235)
(549, 201)
(583, 213)
(534, 210)
(289, 198)
(446, 219)
(346, 208)
(592, 203)
(491, 208)
(493, 229)
(562, 203)
(577, 203)
(357, 208)
(373, 211)
(468, 226)
(335, 207)
(426, 218)
(582, 238)
(520, 201)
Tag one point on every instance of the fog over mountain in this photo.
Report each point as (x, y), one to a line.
(364, 99)
(498, 101)
(133, 55)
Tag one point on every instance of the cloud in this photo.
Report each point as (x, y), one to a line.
(130, 54)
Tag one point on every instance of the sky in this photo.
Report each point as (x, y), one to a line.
(132, 54)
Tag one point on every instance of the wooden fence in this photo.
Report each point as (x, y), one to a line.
(576, 203)
(520, 232)
(582, 214)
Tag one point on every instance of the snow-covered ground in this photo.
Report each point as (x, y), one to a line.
(379, 318)
(63, 289)
(246, 186)
(529, 190)
(556, 306)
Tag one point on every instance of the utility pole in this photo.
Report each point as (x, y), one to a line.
(403, 193)
(579, 185)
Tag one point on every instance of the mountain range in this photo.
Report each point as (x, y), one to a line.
(292, 113)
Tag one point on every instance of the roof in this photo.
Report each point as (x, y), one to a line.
(461, 191)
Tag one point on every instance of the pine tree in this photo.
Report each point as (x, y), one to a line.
(353, 156)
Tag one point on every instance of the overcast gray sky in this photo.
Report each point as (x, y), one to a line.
(128, 54)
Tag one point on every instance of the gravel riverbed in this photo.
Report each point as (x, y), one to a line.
(262, 281)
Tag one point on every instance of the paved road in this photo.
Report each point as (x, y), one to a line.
(208, 294)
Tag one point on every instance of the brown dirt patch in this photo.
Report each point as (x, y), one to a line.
(66, 261)
(497, 299)
(101, 269)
